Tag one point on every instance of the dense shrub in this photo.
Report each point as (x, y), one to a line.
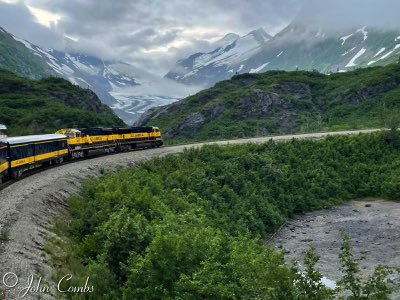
(191, 226)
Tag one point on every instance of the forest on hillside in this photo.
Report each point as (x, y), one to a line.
(191, 226)
(49, 104)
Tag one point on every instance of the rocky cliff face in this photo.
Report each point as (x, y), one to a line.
(256, 104)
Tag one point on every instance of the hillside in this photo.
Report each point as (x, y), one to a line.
(17, 58)
(46, 105)
(274, 102)
(302, 45)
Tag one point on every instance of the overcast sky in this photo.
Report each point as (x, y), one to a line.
(150, 34)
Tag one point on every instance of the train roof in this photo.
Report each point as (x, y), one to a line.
(34, 138)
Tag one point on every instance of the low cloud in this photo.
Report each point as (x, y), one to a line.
(151, 34)
(339, 14)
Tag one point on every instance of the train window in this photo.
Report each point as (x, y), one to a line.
(19, 152)
(48, 147)
(44, 148)
(62, 145)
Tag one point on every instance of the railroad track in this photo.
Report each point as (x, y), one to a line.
(197, 144)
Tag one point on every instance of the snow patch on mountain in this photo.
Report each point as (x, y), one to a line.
(27, 44)
(364, 32)
(380, 51)
(347, 52)
(256, 70)
(225, 41)
(390, 52)
(352, 61)
(386, 55)
(344, 38)
(239, 50)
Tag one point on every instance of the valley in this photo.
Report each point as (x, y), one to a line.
(128, 90)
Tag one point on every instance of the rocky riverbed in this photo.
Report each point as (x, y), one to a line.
(373, 225)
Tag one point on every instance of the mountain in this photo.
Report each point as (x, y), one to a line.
(279, 102)
(221, 63)
(43, 106)
(301, 45)
(128, 90)
(19, 59)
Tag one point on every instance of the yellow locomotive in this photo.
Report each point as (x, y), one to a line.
(82, 141)
(18, 154)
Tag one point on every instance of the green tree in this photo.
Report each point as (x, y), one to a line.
(309, 281)
(376, 286)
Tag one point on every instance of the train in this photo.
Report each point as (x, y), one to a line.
(23, 153)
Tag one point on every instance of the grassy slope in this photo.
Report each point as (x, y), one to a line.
(14, 56)
(356, 99)
(44, 106)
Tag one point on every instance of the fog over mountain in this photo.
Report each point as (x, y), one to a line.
(341, 14)
(151, 35)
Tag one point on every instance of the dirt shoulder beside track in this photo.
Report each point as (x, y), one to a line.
(28, 207)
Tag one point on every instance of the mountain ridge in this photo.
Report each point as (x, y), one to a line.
(196, 65)
(281, 102)
(298, 46)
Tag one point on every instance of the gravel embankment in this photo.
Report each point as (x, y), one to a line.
(28, 207)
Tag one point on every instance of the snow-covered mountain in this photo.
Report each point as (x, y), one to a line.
(128, 90)
(308, 47)
(298, 46)
(222, 62)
